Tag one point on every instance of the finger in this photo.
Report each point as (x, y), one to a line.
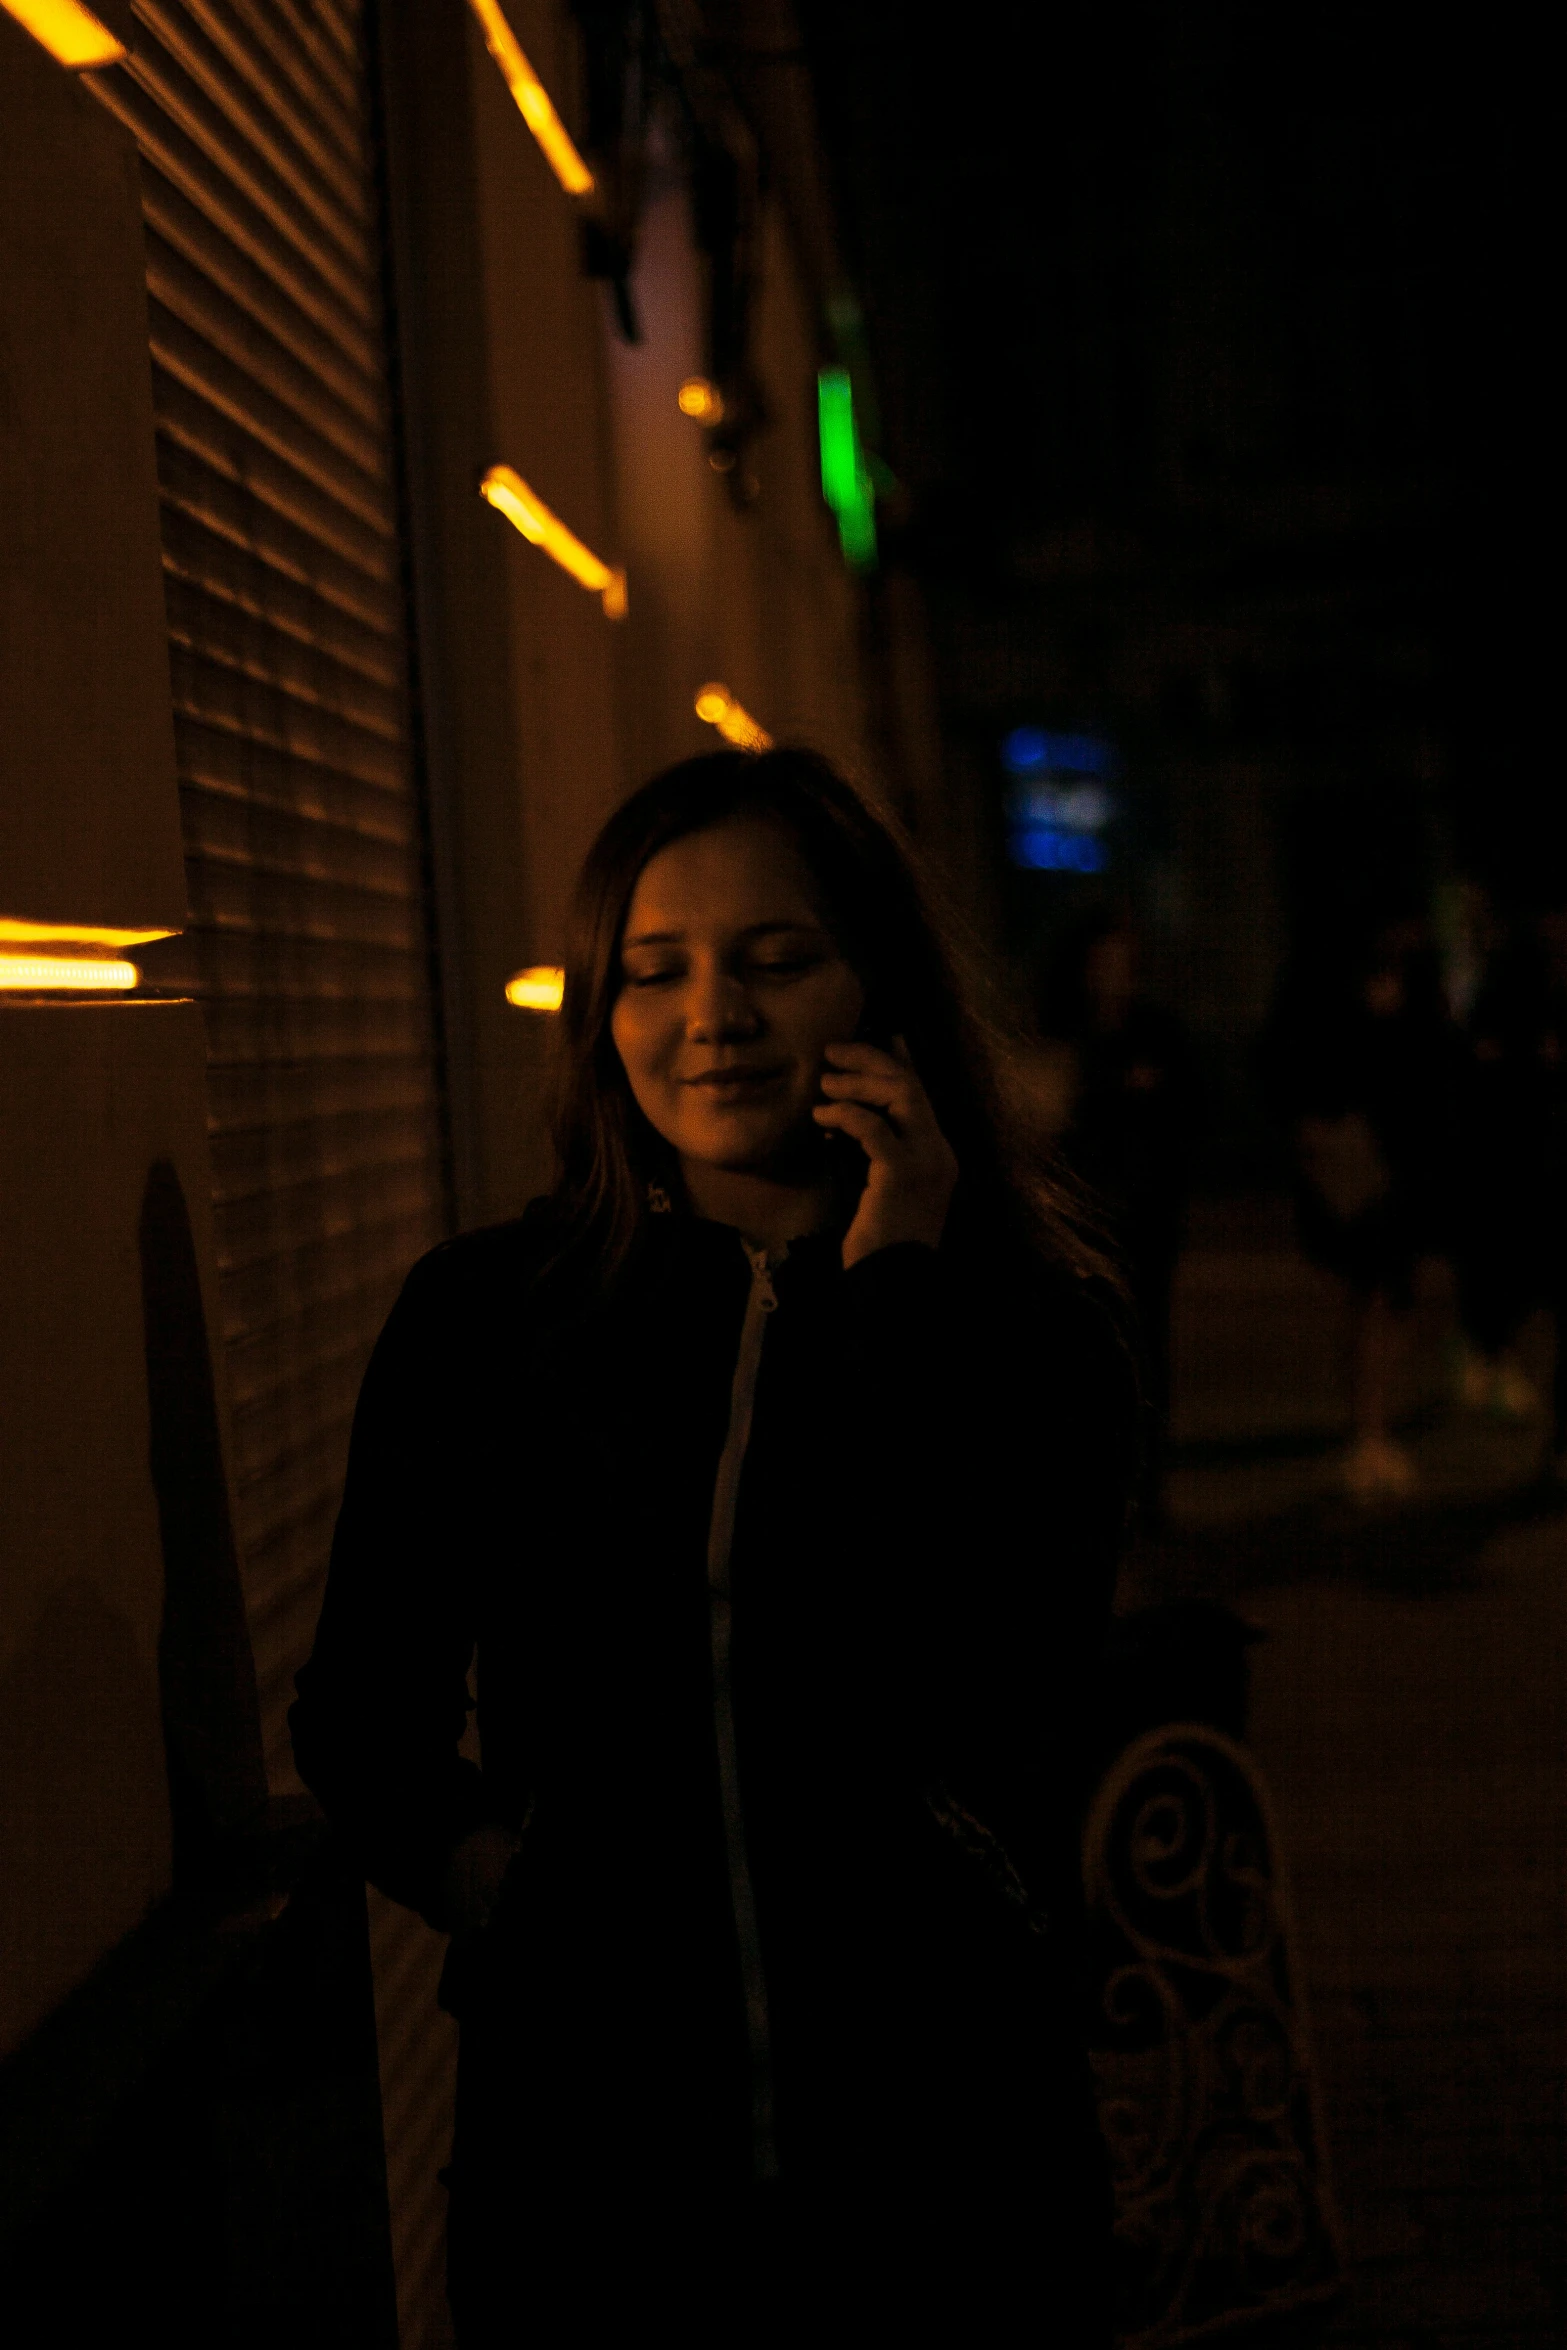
(885, 1114)
(855, 1055)
(866, 1127)
(871, 1061)
(897, 1093)
(890, 1093)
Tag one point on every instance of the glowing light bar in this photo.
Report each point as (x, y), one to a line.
(846, 481)
(533, 100)
(39, 974)
(541, 988)
(716, 706)
(71, 34)
(701, 400)
(72, 934)
(510, 495)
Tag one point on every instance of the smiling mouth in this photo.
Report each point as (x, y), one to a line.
(736, 1084)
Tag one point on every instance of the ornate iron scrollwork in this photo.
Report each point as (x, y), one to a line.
(1223, 2208)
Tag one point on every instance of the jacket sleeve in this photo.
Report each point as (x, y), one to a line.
(1002, 1407)
(383, 1700)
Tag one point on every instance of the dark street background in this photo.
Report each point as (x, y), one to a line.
(1211, 346)
(1212, 349)
(1408, 1714)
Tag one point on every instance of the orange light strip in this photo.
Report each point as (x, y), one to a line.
(541, 988)
(42, 974)
(716, 706)
(72, 35)
(14, 933)
(533, 100)
(510, 495)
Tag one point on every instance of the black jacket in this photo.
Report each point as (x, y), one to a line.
(928, 1517)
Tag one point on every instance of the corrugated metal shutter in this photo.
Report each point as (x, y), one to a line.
(309, 938)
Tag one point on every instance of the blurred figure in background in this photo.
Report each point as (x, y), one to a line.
(1361, 1062)
(1511, 1195)
(1134, 1108)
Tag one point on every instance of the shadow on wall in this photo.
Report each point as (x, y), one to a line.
(206, 1676)
(201, 2115)
(86, 1820)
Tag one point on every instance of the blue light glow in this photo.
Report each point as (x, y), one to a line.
(1049, 848)
(1084, 807)
(1029, 751)
(1026, 751)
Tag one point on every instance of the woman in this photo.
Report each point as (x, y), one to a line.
(775, 1467)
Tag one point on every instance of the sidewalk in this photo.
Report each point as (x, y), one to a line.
(1409, 1709)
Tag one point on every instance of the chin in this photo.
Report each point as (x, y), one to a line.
(787, 1156)
(737, 1154)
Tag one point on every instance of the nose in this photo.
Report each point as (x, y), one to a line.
(719, 1010)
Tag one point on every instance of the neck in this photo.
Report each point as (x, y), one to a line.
(769, 1210)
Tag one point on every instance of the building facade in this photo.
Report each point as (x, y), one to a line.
(295, 721)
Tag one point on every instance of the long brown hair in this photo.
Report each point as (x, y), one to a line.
(882, 917)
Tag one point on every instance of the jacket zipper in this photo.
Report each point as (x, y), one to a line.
(761, 1302)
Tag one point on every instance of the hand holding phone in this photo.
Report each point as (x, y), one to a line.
(872, 1093)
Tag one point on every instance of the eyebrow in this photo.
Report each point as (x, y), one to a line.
(666, 938)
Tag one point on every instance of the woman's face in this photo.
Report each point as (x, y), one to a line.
(731, 989)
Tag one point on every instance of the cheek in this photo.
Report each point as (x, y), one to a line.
(813, 1020)
(635, 1037)
(834, 1012)
(646, 1031)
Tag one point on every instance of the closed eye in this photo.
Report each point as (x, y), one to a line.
(784, 960)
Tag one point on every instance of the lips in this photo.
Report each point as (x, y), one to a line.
(735, 1084)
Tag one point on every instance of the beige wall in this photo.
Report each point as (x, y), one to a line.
(670, 500)
(503, 361)
(96, 1095)
(89, 822)
(757, 599)
(545, 350)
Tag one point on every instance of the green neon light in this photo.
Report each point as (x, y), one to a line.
(846, 480)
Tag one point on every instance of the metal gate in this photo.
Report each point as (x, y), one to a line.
(309, 941)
